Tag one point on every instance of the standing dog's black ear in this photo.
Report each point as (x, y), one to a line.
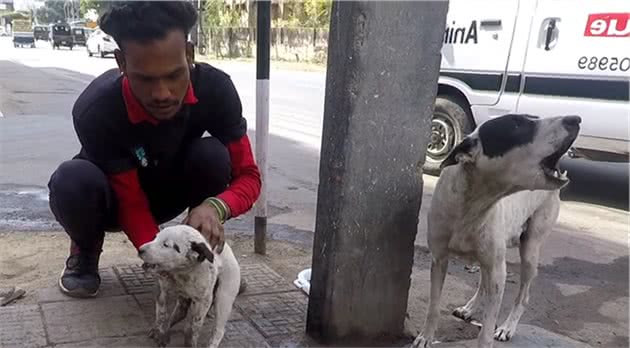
(460, 153)
(203, 251)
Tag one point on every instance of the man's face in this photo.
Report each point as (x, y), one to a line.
(158, 72)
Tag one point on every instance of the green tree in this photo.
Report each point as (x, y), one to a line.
(316, 13)
(51, 12)
(305, 13)
(212, 11)
(99, 6)
(220, 15)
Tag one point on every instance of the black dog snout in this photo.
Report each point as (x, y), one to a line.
(571, 122)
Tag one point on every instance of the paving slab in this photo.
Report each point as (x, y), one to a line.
(271, 313)
(110, 286)
(237, 334)
(277, 313)
(135, 280)
(147, 304)
(131, 341)
(299, 340)
(262, 279)
(82, 320)
(527, 336)
(241, 333)
(21, 326)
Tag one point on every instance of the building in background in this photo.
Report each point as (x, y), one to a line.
(26, 5)
(6, 5)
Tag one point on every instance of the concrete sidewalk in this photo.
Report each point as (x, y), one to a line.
(271, 313)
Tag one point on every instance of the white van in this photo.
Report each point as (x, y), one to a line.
(543, 57)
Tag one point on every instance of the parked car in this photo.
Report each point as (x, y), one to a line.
(101, 44)
(537, 57)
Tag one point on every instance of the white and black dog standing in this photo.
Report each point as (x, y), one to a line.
(499, 188)
(197, 277)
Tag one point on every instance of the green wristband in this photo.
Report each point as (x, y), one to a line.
(216, 204)
(226, 210)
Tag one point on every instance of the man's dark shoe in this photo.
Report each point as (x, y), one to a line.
(80, 277)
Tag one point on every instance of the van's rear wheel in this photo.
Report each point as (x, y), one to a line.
(451, 122)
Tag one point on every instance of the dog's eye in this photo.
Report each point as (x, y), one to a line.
(165, 244)
(176, 247)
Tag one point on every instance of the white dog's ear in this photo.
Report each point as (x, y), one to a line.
(203, 251)
(462, 153)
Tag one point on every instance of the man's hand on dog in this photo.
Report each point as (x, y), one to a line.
(205, 219)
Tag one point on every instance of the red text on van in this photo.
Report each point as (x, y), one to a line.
(608, 24)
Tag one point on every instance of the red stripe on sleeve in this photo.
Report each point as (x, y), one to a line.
(134, 215)
(245, 186)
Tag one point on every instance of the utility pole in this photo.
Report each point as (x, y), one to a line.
(262, 119)
(381, 84)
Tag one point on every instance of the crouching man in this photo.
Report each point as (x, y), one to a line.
(143, 159)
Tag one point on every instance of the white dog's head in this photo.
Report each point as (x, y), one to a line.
(517, 151)
(175, 248)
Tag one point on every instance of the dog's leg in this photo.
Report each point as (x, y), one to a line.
(469, 311)
(224, 300)
(439, 267)
(494, 277)
(222, 310)
(180, 311)
(529, 264)
(539, 227)
(159, 332)
(197, 314)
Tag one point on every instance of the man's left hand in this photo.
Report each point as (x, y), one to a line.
(205, 219)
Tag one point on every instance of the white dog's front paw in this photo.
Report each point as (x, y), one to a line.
(504, 333)
(421, 342)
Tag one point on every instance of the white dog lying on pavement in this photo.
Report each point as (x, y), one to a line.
(499, 188)
(199, 278)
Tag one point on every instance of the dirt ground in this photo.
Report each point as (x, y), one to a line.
(34, 260)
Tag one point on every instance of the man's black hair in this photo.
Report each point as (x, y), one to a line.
(145, 21)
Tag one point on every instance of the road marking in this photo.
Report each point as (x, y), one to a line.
(1, 114)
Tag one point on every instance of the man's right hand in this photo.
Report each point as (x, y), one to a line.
(205, 219)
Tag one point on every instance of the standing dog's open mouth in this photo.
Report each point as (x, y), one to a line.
(550, 164)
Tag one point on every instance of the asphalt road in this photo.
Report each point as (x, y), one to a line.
(587, 251)
(40, 85)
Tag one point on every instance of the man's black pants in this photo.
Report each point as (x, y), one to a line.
(85, 205)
